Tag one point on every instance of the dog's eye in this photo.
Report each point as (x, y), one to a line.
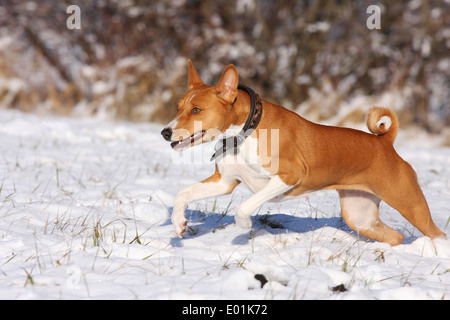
(196, 110)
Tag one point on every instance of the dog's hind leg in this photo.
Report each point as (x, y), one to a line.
(360, 212)
(406, 196)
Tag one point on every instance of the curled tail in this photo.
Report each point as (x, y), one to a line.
(383, 122)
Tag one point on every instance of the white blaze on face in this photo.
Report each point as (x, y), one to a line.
(173, 124)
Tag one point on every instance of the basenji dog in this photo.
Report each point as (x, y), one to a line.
(296, 157)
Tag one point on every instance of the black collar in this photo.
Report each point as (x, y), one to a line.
(233, 142)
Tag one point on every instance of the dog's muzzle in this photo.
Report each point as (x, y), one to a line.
(167, 134)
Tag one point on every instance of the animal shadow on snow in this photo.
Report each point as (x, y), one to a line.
(200, 224)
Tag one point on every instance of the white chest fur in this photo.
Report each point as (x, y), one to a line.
(245, 166)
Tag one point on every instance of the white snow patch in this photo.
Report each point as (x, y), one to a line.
(85, 208)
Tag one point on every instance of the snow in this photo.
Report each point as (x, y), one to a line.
(85, 207)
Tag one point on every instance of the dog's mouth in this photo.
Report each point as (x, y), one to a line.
(181, 144)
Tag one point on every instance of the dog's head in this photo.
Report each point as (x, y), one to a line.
(203, 113)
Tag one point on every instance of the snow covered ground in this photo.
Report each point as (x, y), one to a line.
(85, 207)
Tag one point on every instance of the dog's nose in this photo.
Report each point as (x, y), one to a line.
(166, 133)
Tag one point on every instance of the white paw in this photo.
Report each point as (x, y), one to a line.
(179, 222)
(243, 221)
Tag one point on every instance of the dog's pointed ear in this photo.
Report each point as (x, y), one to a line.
(194, 78)
(227, 87)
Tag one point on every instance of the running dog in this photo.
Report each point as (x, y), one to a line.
(279, 155)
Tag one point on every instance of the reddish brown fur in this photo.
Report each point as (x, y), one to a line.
(313, 156)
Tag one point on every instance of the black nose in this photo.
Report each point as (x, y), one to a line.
(166, 133)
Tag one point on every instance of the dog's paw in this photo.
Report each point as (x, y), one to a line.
(243, 221)
(179, 223)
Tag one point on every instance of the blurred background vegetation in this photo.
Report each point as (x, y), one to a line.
(317, 57)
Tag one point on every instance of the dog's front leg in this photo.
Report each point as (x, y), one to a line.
(274, 188)
(214, 186)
